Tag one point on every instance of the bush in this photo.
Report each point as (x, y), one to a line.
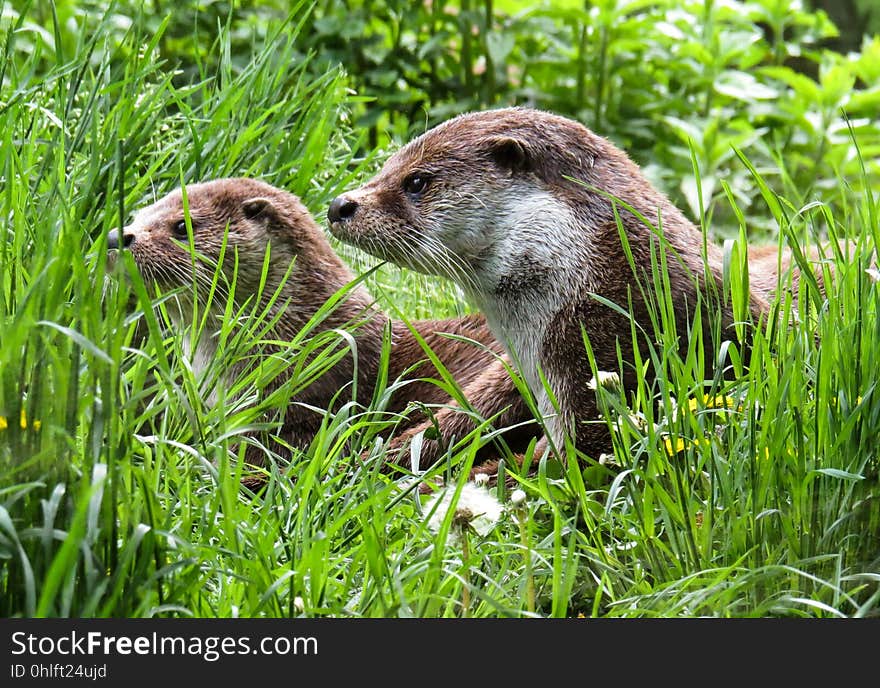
(679, 85)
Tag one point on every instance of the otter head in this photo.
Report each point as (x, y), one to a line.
(482, 198)
(234, 223)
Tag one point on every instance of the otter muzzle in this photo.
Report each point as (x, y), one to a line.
(341, 208)
(113, 239)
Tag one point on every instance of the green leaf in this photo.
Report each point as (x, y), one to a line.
(499, 46)
(807, 89)
(837, 473)
(743, 86)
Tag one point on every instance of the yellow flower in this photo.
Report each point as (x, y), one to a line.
(680, 444)
(671, 449)
(719, 401)
(22, 422)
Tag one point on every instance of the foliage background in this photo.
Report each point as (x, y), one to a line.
(651, 76)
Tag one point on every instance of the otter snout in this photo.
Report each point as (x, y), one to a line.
(113, 239)
(342, 208)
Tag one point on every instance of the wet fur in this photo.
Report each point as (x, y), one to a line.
(519, 211)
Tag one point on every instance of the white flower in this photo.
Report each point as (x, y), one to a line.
(481, 479)
(874, 274)
(299, 604)
(608, 460)
(635, 421)
(517, 497)
(476, 508)
(604, 379)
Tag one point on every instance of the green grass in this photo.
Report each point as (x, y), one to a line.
(120, 496)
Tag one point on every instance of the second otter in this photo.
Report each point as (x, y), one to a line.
(522, 208)
(264, 241)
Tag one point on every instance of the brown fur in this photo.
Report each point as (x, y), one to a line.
(480, 163)
(767, 264)
(258, 215)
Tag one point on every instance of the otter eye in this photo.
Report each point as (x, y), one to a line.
(416, 183)
(179, 229)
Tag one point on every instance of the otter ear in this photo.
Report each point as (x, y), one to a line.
(258, 208)
(511, 153)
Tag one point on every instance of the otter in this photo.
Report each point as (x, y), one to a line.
(259, 223)
(528, 211)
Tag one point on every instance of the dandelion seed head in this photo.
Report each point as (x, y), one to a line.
(634, 421)
(604, 378)
(476, 509)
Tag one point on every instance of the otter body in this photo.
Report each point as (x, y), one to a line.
(263, 224)
(521, 208)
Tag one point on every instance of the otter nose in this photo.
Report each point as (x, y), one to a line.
(113, 239)
(341, 208)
